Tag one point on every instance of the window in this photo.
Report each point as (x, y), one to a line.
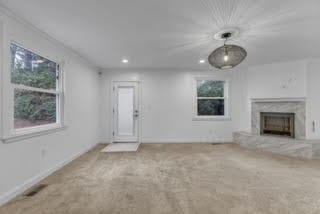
(36, 89)
(211, 98)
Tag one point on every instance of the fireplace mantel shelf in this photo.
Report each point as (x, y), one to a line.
(279, 99)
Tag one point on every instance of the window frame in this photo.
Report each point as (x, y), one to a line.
(9, 132)
(226, 99)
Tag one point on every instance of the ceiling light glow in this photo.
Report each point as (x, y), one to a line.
(225, 58)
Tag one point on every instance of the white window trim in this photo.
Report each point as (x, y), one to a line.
(226, 97)
(9, 134)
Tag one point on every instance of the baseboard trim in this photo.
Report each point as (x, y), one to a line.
(104, 142)
(180, 140)
(6, 197)
(153, 140)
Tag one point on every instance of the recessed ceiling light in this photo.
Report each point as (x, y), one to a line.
(201, 61)
(125, 61)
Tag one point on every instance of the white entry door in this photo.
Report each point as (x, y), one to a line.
(125, 111)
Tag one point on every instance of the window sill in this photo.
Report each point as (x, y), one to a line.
(18, 136)
(204, 118)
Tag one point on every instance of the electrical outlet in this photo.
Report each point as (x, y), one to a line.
(43, 152)
(313, 126)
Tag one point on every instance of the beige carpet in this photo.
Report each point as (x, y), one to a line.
(121, 147)
(178, 178)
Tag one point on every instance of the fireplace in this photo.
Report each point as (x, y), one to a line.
(279, 124)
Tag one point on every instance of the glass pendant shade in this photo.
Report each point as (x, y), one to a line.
(227, 56)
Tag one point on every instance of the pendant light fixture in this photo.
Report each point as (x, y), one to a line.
(227, 56)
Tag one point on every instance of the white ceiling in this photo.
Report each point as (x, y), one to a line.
(175, 33)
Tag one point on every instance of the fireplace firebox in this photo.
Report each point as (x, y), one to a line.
(279, 124)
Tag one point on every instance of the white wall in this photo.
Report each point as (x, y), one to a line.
(24, 162)
(313, 98)
(167, 106)
(241, 103)
(279, 80)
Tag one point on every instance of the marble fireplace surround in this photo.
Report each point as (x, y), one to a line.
(296, 147)
(297, 107)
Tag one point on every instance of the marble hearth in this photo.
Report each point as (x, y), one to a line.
(309, 149)
(297, 146)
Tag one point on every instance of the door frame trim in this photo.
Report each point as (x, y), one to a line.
(111, 130)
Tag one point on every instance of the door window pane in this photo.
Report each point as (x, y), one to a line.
(210, 107)
(125, 111)
(33, 108)
(30, 69)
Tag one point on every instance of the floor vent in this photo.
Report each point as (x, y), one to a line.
(35, 190)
